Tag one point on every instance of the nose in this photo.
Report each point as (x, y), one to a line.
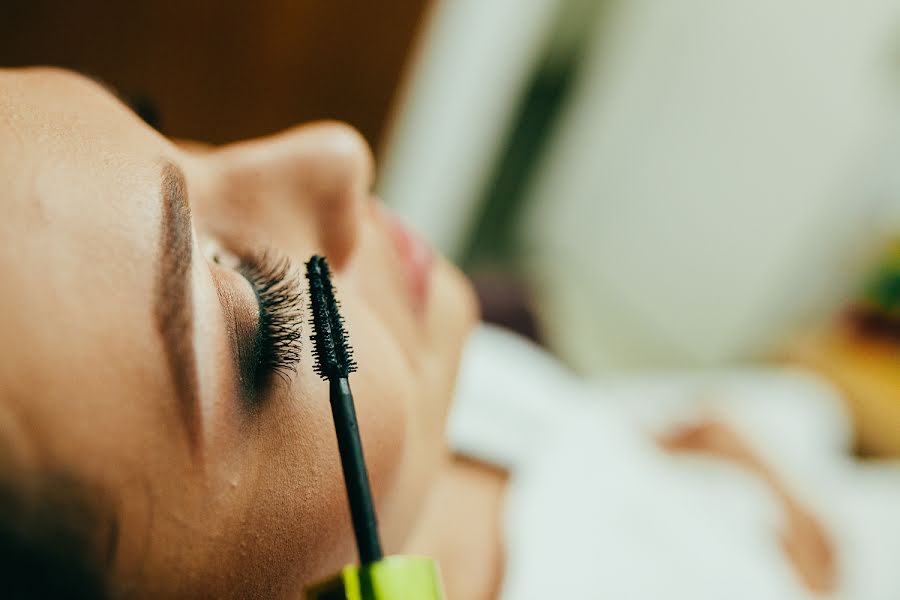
(316, 176)
(339, 173)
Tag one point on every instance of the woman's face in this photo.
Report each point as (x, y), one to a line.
(141, 353)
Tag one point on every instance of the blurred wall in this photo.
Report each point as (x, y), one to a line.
(716, 175)
(460, 105)
(221, 71)
(712, 185)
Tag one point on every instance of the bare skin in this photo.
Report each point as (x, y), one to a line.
(460, 527)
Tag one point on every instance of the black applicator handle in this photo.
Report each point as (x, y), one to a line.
(356, 478)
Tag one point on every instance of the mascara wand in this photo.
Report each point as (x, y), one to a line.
(376, 577)
(334, 362)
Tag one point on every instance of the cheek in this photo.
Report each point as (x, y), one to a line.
(387, 394)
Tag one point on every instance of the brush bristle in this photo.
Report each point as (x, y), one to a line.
(331, 348)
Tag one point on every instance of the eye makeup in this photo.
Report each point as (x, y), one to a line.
(275, 347)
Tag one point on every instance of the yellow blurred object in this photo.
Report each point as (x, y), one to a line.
(392, 578)
(868, 372)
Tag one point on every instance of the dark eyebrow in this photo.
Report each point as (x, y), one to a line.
(174, 306)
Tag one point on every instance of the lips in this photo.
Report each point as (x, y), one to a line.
(417, 259)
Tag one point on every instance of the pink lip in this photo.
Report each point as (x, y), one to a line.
(417, 259)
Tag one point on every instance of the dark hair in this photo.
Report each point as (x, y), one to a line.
(53, 537)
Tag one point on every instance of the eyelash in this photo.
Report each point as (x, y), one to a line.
(280, 295)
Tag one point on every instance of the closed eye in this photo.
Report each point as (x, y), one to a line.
(277, 344)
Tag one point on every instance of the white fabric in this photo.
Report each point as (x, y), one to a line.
(596, 510)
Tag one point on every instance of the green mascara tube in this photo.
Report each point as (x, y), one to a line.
(391, 578)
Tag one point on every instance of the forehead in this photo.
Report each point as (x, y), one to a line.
(79, 191)
(60, 127)
(79, 172)
(55, 101)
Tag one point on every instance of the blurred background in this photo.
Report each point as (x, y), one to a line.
(635, 185)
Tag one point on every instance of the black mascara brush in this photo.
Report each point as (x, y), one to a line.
(376, 577)
(334, 362)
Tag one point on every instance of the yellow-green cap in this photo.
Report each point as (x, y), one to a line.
(392, 578)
